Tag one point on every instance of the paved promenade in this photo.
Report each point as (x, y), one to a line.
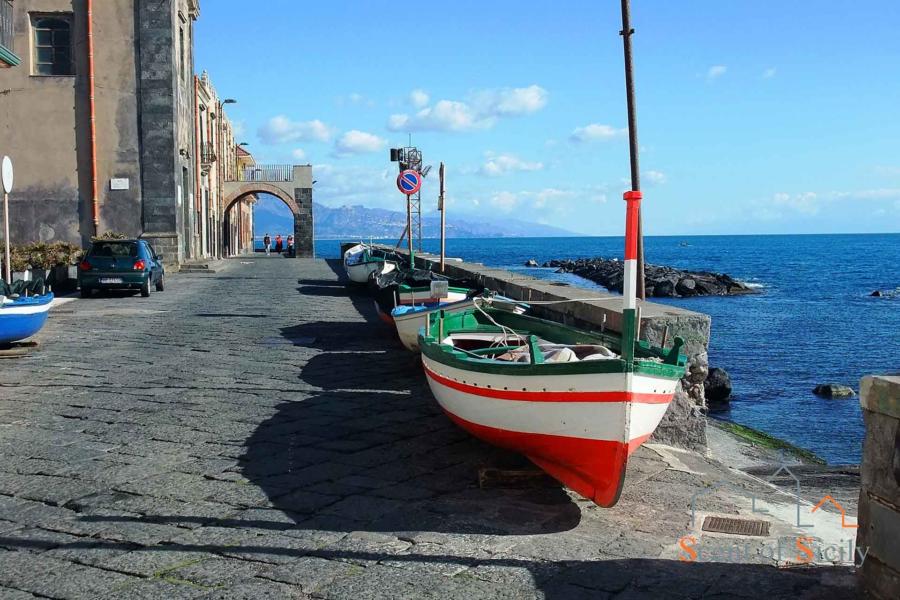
(257, 433)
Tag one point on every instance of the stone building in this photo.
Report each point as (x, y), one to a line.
(132, 172)
(128, 141)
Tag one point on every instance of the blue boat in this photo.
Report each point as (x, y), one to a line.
(23, 317)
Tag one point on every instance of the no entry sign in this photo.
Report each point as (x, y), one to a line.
(409, 182)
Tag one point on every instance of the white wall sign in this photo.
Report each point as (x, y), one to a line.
(6, 174)
(119, 184)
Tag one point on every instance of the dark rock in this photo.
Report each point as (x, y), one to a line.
(717, 387)
(531, 263)
(686, 287)
(876, 293)
(660, 281)
(663, 289)
(833, 390)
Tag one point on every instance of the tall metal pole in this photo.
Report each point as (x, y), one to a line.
(443, 208)
(6, 262)
(626, 34)
(412, 259)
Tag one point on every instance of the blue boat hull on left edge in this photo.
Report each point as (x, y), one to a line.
(23, 317)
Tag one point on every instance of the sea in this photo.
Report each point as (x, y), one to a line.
(813, 321)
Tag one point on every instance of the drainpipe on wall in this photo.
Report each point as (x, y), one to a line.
(197, 199)
(95, 197)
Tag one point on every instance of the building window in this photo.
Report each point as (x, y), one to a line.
(8, 58)
(181, 54)
(52, 45)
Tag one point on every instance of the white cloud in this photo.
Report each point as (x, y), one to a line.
(812, 203)
(281, 130)
(502, 164)
(504, 201)
(298, 154)
(541, 198)
(716, 71)
(595, 131)
(887, 170)
(418, 98)
(358, 142)
(480, 110)
(511, 102)
(769, 73)
(804, 202)
(654, 177)
(355, 184)
(238, 128)
(446, 115)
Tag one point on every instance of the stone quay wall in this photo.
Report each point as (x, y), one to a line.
(684, 424)
(879, 499)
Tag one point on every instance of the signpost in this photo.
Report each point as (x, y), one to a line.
(6, 177)
(409, 182)
(443, 208)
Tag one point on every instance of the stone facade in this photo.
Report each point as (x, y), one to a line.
(164, 38)
(164, 146)
(879, 500)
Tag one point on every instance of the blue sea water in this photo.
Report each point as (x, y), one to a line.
(813, 321)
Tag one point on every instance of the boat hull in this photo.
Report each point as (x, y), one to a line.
(21, 320)
(409, 323)
(359, 273)
(579, 428)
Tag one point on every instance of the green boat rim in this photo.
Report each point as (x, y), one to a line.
(645, 362)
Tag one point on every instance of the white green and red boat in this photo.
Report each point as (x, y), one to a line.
(574, 402)
(360, 261)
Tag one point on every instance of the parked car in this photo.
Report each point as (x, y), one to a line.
(121, 264)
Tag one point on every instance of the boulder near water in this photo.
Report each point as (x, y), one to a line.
(717, 387)
(833, 390)
(661, 281)
(531, 263)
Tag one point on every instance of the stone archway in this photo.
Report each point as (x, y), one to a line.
(300, 206)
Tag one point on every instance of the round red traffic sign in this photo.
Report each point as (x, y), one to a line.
(409, 181)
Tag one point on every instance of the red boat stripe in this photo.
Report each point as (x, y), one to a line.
(549, 396)
(593, 468)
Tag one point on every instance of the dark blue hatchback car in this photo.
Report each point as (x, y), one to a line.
(121, 264)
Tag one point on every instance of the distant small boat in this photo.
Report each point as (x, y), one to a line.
(22, 317)
(576, 403)
(360, 261)
(409, 319)
(408, 287)
(683, 244)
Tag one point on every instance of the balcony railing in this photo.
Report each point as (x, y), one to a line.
(273, 173)
(6, 33)
(207, 153)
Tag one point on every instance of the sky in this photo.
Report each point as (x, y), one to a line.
(754, 116)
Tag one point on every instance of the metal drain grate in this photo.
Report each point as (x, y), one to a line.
(736, 526)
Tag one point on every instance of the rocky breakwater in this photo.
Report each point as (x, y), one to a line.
(660, 282)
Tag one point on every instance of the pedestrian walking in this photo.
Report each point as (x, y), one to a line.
(290, 245)
(267, 242)
(279, 244)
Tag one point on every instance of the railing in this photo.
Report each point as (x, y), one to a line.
(207, 153)
(266, 173)
(6, 24)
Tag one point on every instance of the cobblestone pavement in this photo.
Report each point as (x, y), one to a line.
(257, 433)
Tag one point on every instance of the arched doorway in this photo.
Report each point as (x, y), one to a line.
(300, 207)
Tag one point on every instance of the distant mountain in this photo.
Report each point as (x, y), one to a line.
(363, 222)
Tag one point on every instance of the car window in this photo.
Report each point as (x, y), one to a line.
(114, 249)
(152, 251)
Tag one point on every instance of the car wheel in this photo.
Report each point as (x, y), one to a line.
(161, 284)
(86, 292)
(145, 288)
